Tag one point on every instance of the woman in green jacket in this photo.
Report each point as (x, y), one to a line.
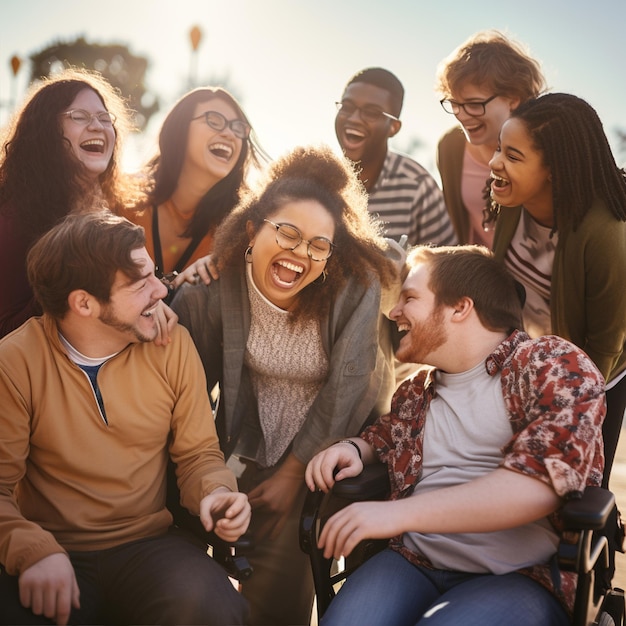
(560, 203)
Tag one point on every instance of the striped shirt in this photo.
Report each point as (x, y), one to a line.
(409, 202)
(529, 258)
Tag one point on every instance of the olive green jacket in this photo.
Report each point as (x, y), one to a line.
(588, 299)
(450, 153)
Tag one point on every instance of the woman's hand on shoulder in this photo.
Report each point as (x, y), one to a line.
(201, 271)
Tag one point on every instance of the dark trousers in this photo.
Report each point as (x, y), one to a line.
(611, 428)
(160, 580)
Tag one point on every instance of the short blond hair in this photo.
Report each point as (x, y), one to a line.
(490, 59)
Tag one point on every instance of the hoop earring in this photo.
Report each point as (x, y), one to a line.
(247, 255)
(321, 279)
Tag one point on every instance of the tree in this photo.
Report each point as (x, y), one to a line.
(115, 62)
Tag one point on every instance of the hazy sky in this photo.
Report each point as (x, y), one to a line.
(288, 60)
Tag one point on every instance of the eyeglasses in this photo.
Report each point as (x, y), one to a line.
(218, 122)
(289, 238)
(475, 109)
(368, 113)
(83, 118)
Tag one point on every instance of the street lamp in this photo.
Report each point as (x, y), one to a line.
(195, 35)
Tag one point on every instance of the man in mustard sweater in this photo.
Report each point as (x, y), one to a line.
(90, 412)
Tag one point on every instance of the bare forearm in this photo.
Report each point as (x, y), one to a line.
(502, 499)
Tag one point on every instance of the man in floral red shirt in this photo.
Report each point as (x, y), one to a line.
(483, 446)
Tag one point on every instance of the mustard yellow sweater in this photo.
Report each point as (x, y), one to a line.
(69, 480)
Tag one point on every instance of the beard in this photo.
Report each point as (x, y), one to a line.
(108, 317)
(423, 339)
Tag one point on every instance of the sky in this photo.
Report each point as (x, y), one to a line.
(287, 61)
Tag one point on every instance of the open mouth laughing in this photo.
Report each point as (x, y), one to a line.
(221, 150)
(403, 329)
(352, 137)
(287, 274)
(499, 182)
(150, 311)
(93, 145)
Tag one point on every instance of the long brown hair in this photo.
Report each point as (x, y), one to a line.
(163, 171)
(41, 181)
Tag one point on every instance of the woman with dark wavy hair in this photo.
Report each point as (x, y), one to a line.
(560, 203)
(61, 153)
(206, 149)
(292, 332)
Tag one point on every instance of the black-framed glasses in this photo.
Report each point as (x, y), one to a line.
(218, 122)
(288, 237)
(475, 109)
(83, 118)
(368, 113)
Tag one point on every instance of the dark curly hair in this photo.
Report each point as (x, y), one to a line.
(569, 134)
(163, 171)
(313, 173)
(41, 181)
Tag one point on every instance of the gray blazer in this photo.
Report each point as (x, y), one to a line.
(355, 335)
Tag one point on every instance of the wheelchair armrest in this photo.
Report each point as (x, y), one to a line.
(230, 555)
(590, 512)
(371, 484)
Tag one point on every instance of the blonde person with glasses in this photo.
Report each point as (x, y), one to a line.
(206, 149)
(481, 82)
(292, 332)
(60, 154)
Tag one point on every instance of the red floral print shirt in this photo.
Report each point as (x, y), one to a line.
(554, 397)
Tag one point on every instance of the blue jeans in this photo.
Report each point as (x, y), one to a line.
(168, 579)
(387, 589)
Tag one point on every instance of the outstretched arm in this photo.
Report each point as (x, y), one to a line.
(499, 500)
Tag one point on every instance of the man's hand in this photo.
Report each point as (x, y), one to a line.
(226, 512)
(49, 588)
(277, 495)
(166, 320)
(201, 271)
(320, 472)
(358, 521)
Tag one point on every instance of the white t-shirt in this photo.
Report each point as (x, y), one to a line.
(466, 428)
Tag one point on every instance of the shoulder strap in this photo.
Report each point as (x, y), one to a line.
(158, 254)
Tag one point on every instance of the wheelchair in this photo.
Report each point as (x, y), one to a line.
(231, 556)
(593, 534)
